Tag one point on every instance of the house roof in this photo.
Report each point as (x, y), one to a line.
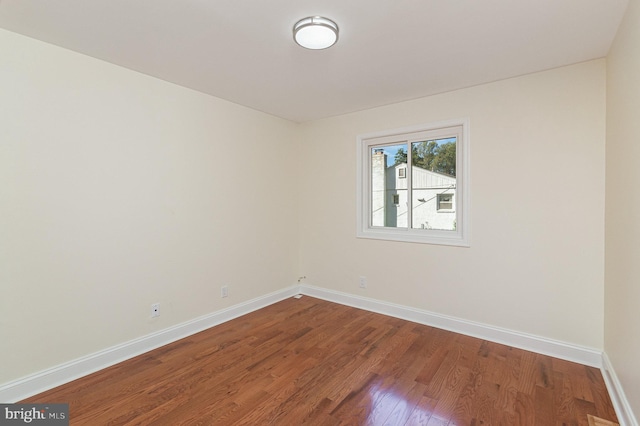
(388, 51)
(423, 174)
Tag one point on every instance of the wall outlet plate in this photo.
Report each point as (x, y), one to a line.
(362, 282)
(155, 310)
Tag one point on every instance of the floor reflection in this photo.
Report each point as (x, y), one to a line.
(385, 406)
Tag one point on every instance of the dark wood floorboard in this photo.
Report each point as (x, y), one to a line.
(308, 361)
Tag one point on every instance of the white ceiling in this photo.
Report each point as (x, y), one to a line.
(389, 50)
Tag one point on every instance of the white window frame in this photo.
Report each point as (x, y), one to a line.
(406, 135)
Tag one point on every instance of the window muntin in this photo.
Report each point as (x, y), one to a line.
(429, 204)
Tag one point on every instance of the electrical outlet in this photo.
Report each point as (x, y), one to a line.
(362, 282)
(155, 310)
(224, 291)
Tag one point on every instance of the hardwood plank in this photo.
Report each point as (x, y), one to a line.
(524, 410)
(308, 361)
(475, 398)
(543, 405)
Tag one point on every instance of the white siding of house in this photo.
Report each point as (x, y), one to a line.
(426, 186)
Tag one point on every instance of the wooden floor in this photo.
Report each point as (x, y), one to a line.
(308, 361)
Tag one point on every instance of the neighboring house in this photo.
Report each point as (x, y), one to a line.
(433, 201)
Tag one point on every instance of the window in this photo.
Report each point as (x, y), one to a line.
(445, 202)
(413, 184)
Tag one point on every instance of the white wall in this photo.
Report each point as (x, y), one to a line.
(622, 297)
(536, 261)
(118, 190)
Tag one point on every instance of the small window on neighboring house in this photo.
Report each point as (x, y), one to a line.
(445, 202)
(413, 184)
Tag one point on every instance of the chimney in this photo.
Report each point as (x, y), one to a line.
(378, 177)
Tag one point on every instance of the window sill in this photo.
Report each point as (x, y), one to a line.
(437, 237)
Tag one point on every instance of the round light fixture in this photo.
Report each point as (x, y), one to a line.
(315, 32)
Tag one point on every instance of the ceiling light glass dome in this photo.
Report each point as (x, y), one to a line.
(315, 32)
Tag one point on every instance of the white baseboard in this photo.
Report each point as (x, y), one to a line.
(562, 350)
(618, 397)
(39, 382)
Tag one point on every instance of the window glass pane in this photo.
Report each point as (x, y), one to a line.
(433, 184)
(389, 186)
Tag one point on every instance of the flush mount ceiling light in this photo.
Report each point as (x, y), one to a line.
(315, 32)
